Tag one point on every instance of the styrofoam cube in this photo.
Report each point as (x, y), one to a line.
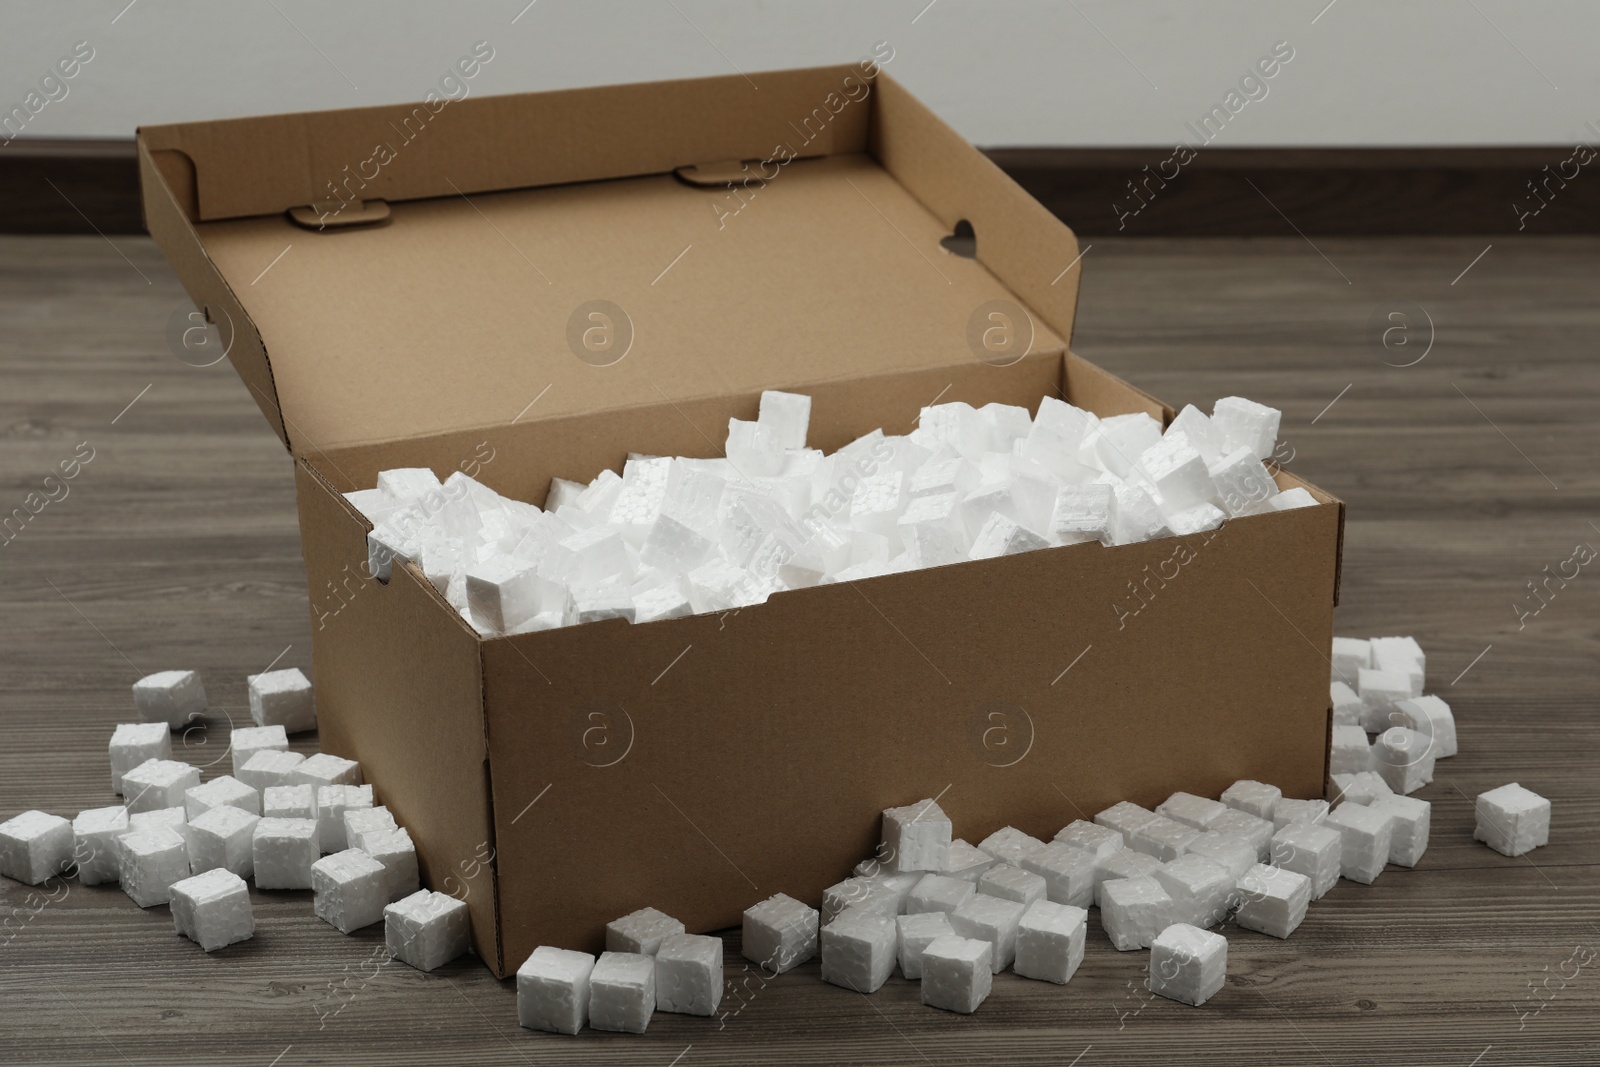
(1126, 864)
(1351, 752)
(992, 919)
(158, 783)
(641, 931)
(289, 802)
(1101, 842)
(225, 791)
(1404, 758)
(361, 820)
(1244, 486)
(1351, 655)
(916, 932)
(689, 974)
(1199, 519)
(427, 930)
(1380, 692)
(403, 485)
(1136, 517)
(150, 863)
(779, 933)
(1311, 849)
(957, 973)
(94, 843)
(1290, 810)
(1012, 883)
(1412, 821)
(1069, 873)
(395, 850)
(1253, 798)
(132, 743)
(1361, 788)
(553, 990)
(246, 741)
(1056, 437)
(1009, 845)
(916, 837)
(786, 415)
(1346, 704)
(1430, 716)
(170, 818)
(1118, 441)
(966, 861)
(282, 698)
(503, 592)
(1272, 900)
(351, 890)
(212, 909)
(1179, 473)
(936, 892)
(223, 837)
(1201, 891)
(1400, 655)
(1134, 910)
(1243, 825)
(282, 852)
(1050, 939)
(1231, 852)
(332, 802)
(324, 768)
(863, 894)
(172, 697)
(268, 767)
(753, 449)
(1512, 820)
(1193, 811)
(1187, 964)
(1083, 513)
(1246, 424)
(34, 846)
(1165, 839)
(859, 949)
(1365, 836)
(1124, 817)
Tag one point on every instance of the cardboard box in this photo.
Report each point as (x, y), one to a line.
(560, 779)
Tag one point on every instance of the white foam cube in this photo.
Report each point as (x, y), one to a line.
(402, 485)
(1069, 873)
(859, 949)
(150, 863)
(324, 768)
(936, 892)
(1136, 517)
(94, 843)
(283, 698)
(289, 802)
(1050, 939)
(1246, 424)
(1365, 836)
(967, 861)
(753, 449)
(916, 837)
(1201, 891)
(132, 743)
(225, 791)
(34, 846)
(779, 934)
(1179, 474)
(689, 974)
(269, 767)
(1124, 817)
(786, 415)
(1351, 656)
(1290, 810)
(1231, 852)
(246, 741)
(351, 890)
(158, 783)
(1134, 910)
(1512, 820)
(641, 931)
(1083, 513)
(1008, 845)
(1351, 752)
(992, 919)
(1196, 520)
(1380, 692)
(1243, 484)
(223, 837)
(957, 973)
(1412, 821)
(1400, 655)
(503, 592)
(1187, 964)
(171, 697)
(863, 894)
(1346, 704)
(1311, 849)
(1272, 900)
(1193, 811)
(1165, 839)
(1253, 798)
(361, 820)
(332, 803)
(1361, 788)
(395, 850)
(1125, 864)
(212, 909)
(1431, 716)
(1243, 825)
(916, 932)
(170, 818)
(282, 852)
(553, 990)
(1012, 883)
(1056, 437)
(1404, 758)
(427, 930)
(930, 528)
(1101, 842)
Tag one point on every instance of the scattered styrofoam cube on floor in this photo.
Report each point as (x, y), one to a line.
(1243, 825)
(916, 837)
(1188, 964)
(351, 890)
(332, 802)
(966, 861)
(1201, 890)
(171, 818)
(935, 892)
(1134, 910)
(1430, 716)
(641, 931)
(1253, 798)
(916, 932)
(992, 919)
(1365, 835)
(1412, 821)
(158, 783)
(1050, 939)
(268, 767)
(1231, 852)
(1012, 883)
(289, 802)
(1101, 842)
(1361, 788)
(779, 933)
(689, 974)
(426, 930)
(132, 743)
(223, 837)
(1242, 423)
(1380, 692)
(1124, 817)
(957, 973)
(362, 820)
(1346, 704)
(553, 990)
(1009, 845)
(1404, 758)
(34, 846)
(1400, 655)
(94, 843)
(1193, 811)
(246, 741)
(864, 894)
(1272, 900)
(1069, 873)
(398, 854)
(1311, 849)
(859, 949)
(1290, 810)
(1165, 839)
(172, 697)
(224, 791)
(282, 852)
(212, 909)
(283, 698)
(1512, 820)
(1351, 655)
(150, 863)
(1351, 752)
(1127, 864)
(324, 768)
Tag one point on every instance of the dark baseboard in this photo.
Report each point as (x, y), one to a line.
(80, 186)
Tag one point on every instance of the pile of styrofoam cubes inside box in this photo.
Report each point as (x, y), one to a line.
(677, 536)
(285, 820)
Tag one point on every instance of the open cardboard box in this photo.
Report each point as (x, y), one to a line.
(557, 780)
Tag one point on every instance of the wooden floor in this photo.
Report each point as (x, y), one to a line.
(1467, 475)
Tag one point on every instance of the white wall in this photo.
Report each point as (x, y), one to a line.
(1004, 72)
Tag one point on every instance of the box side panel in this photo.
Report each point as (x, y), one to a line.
(399, 687)
(702, 764)
(1100, 391)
